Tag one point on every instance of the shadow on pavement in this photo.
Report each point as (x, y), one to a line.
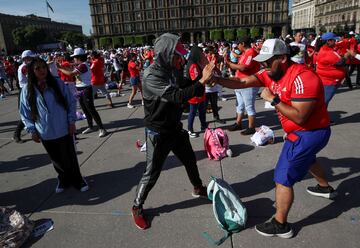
(24, 163)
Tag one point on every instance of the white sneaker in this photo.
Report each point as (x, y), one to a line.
(192, 134)
(130, 106)
(59, 188)
(84, 186)
(223, 99)
(102, 133)
(142, 102)
(88, 130)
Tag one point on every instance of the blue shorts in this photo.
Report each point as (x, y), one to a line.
(299, 154)
(134, 81)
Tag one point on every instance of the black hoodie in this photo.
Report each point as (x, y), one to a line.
(163, 97)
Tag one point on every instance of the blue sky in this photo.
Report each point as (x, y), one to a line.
(70, 11)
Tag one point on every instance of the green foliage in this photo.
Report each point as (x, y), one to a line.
(270, 36)
(216, 34)
(29, 37)
(128, 40)
(241, 32)
(229, 34)
(74, 38)
(105, 42)
(117, 41)
(255, 32)
(140, 40)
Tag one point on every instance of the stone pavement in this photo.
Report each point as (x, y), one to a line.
(113, 166)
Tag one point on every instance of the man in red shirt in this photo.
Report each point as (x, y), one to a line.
(97, 76)
(135, 82)
(297, 94)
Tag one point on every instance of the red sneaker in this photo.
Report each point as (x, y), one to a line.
(138, 144)
(139, 218)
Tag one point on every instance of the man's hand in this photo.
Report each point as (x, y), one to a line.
(35, 137)
(267, 95)
(207, 73)
(72, 129)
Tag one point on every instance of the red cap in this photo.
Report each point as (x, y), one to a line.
(180, 49)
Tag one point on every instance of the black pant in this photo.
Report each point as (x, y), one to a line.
(20, 126)
(213, 98)
(63, 156)
(158, 146)
(87, 105)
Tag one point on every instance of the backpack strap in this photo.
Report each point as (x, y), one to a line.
(219, 241)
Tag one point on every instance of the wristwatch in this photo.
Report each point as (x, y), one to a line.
(276, 100)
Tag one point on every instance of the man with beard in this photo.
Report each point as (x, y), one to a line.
(298, 96)
(163, 99)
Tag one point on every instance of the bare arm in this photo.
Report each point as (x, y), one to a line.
(298, 112)
(238, 67)
(68, 72)
(237, 83)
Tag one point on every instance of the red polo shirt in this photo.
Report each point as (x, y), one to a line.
(246, 59)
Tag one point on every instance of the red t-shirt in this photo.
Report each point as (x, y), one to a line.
(195, 72)
(299, 84)
(134, 72)
(64, 77)
(97, 72)
(247, 59)
(326, 69)
(149, 56)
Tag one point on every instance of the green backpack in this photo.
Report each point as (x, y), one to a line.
(229, 211)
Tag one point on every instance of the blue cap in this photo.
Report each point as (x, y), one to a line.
(329, 36)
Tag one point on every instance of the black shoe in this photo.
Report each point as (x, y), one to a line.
(248, 131)
(274, 228)
(200, 192)
(218, 120)
(235, 127)
(18, 140)
(326, 192)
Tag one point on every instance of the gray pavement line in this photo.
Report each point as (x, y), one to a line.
(116, 213)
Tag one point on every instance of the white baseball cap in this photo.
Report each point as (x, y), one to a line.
(351, 33)
(78, 52)
(270, 48)
(27, 54)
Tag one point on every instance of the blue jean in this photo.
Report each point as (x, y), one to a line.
(245, 99)
(201, 107)
(329, 91)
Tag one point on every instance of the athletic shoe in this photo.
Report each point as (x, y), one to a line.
(88, 130)
(274, 228)
(223, 99)
(235, 127)
(60, 187)
(326, 192)
(200, 192)
(248, 131)
(102, 133)
(139, 218)
(18, 140)
(192, 134)
(130, 106)
(84, 186)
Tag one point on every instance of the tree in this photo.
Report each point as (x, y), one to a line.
(216, 34)
(140, 40)
(241, 32)
(128, 40)
(229, 34)
(254, 32)
(105, 42)
(117, 41)
(322, 29)
(270, 35)
(30, 36)
(74, 38)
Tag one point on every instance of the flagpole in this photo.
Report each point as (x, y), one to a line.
(47, 9)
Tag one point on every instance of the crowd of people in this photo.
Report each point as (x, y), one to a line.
(298, 75)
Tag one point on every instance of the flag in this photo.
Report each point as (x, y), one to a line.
(48, 5)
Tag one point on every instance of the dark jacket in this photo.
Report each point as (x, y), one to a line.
(163, 97)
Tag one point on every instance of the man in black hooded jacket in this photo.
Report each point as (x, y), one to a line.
(163, 100)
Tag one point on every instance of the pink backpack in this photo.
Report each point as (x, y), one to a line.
(216, 143)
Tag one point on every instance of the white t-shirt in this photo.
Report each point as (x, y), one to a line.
(22, 75)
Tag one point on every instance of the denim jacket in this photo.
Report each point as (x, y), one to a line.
(53, 120)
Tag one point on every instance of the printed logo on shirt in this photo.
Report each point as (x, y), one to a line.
(299, 86)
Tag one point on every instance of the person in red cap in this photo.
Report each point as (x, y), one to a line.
(163, 99)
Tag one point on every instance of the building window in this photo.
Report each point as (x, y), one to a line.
(277, 5)
(209, 1)
(125, 6)
(209, 10)
(137, 5)
(259, 19)
(148, 4)
(277, 17)
(234, 20)
(172, 2)
(161, 14)
(234, 9)
(210, 21)
(197, 23)
(247, 7)
(161, 25)
(126, 16)
(139, 26)
(197, 2)
(101, 30)
(100, 19)
(138, 16)
(246, 19)
(197, 11)
(115, 29)
(173, 24)
(172, 13)
(98, 9)
(160, 3)
(149, 15)
(260, 7)
(150, 26)
(127, 28)
(221, 21)
(221, 9)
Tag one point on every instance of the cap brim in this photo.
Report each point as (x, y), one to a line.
(263, 57)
